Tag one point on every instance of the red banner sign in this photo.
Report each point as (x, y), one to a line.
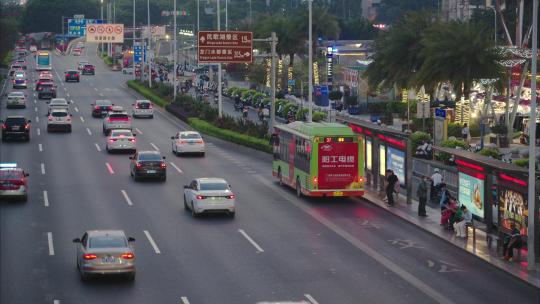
(225, 47)
(338, 165)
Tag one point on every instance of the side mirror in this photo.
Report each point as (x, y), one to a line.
(47, 102)
(134, 135)
(186, 187)
(131, 157)
(163, 157)
(172, 137)
(77, 240)
(70, 115)
(91, 104)
(131, 239)
(29, 120)
(26, 174)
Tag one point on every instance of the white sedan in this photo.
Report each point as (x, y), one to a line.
(209, 195)
(121, 140)
(187, 142)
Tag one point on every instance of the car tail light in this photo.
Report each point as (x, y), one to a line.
(89, 256)
(183, 141)
(199, 197)
(50, 118)
(27, 126)
(128, 255)
(150, 106)
(132, 139)
(163, 165)
(97, 107)
(76, 75)
(109, 108)
(4, 126)
(13, 81)
(138, 165)
(40, 89)
(232, 196)
(315, 180)
(199, 141)
(137, 107)
(112, 139)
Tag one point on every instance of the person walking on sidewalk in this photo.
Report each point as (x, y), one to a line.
(421, 193)
(391, 180)
(465, 133)
(461, 226)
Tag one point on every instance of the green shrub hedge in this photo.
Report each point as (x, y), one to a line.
(491, 152)
(147, 92)
(241, 139)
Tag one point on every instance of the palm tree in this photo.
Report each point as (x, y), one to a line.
(397, 52)
(457, 52)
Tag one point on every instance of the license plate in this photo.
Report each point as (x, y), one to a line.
(7, 185)
(150, 171)
(338, 193)
(15, 128)
(108, 259)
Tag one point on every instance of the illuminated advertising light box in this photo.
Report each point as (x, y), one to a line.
(513, 209)
(368, 154)
(471, 193)
(395, 161)
(382, 160)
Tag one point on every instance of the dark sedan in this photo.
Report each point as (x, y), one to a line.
(47, 90)
(15, 127)
(72, 76)
(148, 164)
(101, 107)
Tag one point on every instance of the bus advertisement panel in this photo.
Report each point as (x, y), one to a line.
(338, 165)
(43, 61)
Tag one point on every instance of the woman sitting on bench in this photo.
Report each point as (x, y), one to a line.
(511, 241)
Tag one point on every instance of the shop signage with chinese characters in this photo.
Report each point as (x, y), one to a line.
(225, 47)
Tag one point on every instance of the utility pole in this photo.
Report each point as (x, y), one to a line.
(532, 197)
(226, 15)
(101, 21)
(310, 47)
(198, 7)
(220, 98)
(149, 46)
(273, 79)
(174, 52)
(134, 77)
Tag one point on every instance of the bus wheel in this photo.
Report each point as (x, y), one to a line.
(298, 188)
(280, 178)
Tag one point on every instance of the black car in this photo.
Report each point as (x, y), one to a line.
(15, 127)
(101, 107)
(148, 164)
(72, 76)
(46, 91)
(88, 69)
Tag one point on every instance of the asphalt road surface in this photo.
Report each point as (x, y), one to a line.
(278, 248)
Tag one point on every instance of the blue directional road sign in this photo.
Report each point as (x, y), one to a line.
(137, 53)
(77, 27)
(440, 113)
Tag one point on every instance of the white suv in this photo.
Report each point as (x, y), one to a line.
(116, 119)
(143, 108)
(59, 119)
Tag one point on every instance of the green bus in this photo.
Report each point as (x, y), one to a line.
(319, 159)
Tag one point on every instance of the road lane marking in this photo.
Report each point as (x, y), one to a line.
(40, 147)
(154, 146)
(95, 89)
(45, 198)
(71, 100)
(242, 232)
(35, 109)
(184, 300)
(151, 240)
(38, 131)
(42, 168)
(67, 94)
(35, 101)
(373, 253)
(37, 118)
(35, 96)
(89, 132)
(56, 302)
(65, 89)
(97, 147)
(126, 197)
(177, 169)
(311, 299)
(101, 94)
(82, 119)
(138, 131)
(76, 109)
(111, 171)
(50, 241)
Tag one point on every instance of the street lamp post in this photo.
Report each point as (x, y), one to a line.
(134, 75)
(149, 46)
(310, 47)
(495, 23)
(220, 98)
(174, 52)
(532, 197)
(101, 21)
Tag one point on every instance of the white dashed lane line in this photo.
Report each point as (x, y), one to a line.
(176, 167)
(37, 118)
(43, 168)
(82, 119)
(36, 109)
(311, 299)
(243, 233)
(56, 302)
(184, 300)
(126, 197)
(89, 132)
(76, 109)
(152, 242)
(67, 94)
(45, 198)
(40, 147)
(50, 241)
(96, 89)
(38, 131)
(97, 147)
(154, 146)
(138, 131)
(111, 171)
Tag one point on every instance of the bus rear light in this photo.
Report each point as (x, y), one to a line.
(315, 180)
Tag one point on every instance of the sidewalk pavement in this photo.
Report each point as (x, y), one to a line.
(479, 248)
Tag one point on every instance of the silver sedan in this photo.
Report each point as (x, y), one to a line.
(105, 252)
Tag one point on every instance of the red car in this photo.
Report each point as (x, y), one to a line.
(42, 80)
(88, 69)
